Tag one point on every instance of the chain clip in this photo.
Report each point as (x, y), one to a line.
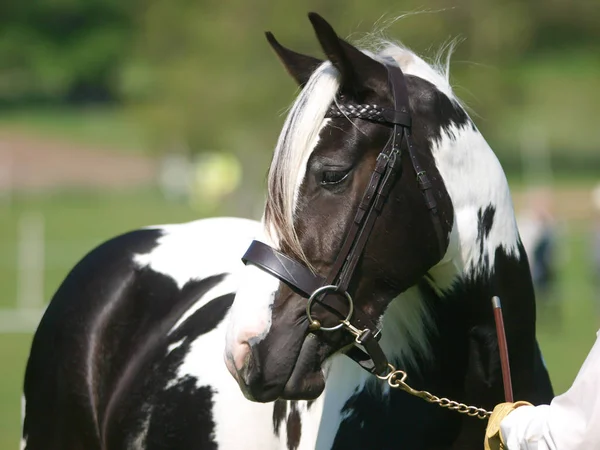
(396, 379)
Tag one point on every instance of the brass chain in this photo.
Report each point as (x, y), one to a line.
(396, 378)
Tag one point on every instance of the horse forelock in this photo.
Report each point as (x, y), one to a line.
(298, 138)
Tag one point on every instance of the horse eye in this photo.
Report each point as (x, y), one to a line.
(334, 176)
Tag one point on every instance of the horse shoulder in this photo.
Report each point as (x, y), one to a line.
(110, 309)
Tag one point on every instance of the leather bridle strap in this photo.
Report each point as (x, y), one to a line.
(380, 184)
(382, 179)
(425, 186)
(294, 274)
(299, 278)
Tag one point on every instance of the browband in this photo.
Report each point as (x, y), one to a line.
(372, 113)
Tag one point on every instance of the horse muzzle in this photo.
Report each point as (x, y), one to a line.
(289, 370)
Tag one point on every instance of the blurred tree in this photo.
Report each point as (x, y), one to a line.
(200, 76)
(62, 50)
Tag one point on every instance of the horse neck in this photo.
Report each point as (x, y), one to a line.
(485, 258)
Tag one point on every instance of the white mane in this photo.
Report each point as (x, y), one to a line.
(298, 138)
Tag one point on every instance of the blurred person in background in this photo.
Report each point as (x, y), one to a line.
(538, 231)
(595, 247)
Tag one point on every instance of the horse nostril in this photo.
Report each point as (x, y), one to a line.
(238, 356)
(251, 369)
(230, 364)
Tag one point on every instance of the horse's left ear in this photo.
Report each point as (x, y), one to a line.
(299, 66)
(360, 73)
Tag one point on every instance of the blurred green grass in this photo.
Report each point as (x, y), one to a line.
(75, 223)
(109, 128)
(566, 343)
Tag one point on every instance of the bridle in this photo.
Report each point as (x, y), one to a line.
(332, 291)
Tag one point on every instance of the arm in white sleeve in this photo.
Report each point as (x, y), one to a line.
(570, 422)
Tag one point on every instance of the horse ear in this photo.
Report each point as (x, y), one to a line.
(359, 72)
(299, 66)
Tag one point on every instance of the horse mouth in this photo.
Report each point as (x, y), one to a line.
(307, 380)
(304, 381)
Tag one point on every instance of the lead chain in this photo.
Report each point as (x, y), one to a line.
(396, 378)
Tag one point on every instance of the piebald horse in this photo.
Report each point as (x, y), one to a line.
(139, 344)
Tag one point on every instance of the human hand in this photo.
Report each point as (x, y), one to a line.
(493, 437)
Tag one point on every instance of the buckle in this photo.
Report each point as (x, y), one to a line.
(423, 180)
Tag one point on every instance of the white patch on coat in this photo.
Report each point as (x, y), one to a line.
(250, 314)
(345, 378)
(236, 418)
(413, 64)
(239, 423)
(174, 345)
(406, 326)
(139, 441)
(310, 418)
(474, 180)
(199, 249)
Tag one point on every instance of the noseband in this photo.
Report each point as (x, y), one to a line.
(332, 292)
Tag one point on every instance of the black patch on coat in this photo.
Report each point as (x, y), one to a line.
(59, 413)
(138, 332)
(397, 421)
(182, 419)
(294, 427)
(279, 410)
(166, 408)
(485, 220)
(433, 112)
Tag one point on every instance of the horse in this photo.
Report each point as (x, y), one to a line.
(163, 338)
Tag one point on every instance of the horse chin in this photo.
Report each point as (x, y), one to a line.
(307, 380)
(305, 386)
(301, 385)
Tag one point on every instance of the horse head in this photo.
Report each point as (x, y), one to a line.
(330, 194)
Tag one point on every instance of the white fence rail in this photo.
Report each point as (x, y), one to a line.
(30, 266)
(27, 264)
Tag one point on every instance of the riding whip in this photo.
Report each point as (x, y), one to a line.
(503, 349)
